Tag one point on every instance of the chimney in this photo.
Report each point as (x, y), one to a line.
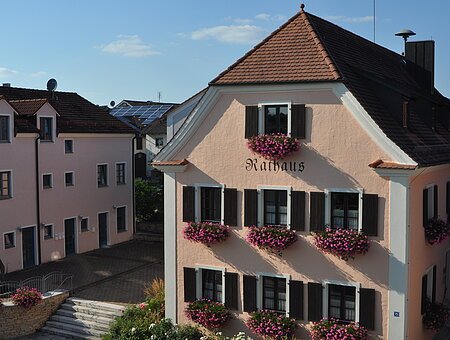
(422, 54)
(6, 84)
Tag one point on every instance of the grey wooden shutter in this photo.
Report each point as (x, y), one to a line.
(436, 202)
(370, 214)
(423, 301)
(298, 210)
(425, 208)
(250, 207)
(448, 201)
(296, 299)
(188, 204)
(249, 293)
(315, 297)
(230, 207)
(251, 121)
(231, 290)
(433, 292)
(298, 121)
(317, 211)
(190, 284)
(367, 308)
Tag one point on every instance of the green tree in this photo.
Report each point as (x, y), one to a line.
(149, 201)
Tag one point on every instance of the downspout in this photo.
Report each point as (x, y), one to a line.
(38, 203)
(133, 184)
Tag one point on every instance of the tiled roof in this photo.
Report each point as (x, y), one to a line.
(310, 49)
(27, 106)
(380, 164)
(171, 163)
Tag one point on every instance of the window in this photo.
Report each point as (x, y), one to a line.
(68, 146)
(4, 129)
(211, 204)
(68, 179)
(46, 125)
(48, 231)
(274, 294)
(159, 142)
(47, 181)
(275, 207)
(428, 288)
(276, 119)
(430, 210)
(9, 240)
(102, 175)
(120, 173)
(342, 302)
(212, 284)
(5, 185)
(138, 143)
(121, 219)
(84, 224)
(344, 210)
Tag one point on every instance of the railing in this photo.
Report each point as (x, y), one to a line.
(45, 284)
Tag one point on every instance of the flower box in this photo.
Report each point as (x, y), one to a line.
(26, 297)
(344, 243)
(273, 146)
(437, 231)
(436, 316)
(272, 238)
(206, 232)
(211, 315)
(271, 325)
(332, 329)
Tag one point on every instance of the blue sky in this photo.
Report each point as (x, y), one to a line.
(110, 50)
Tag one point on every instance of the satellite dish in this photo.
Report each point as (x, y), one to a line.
(405, 34)
(112, 103)
(52, 84)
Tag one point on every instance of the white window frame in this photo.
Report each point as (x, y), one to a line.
(259, 289)
(261, 120)
(14, 236)
(329, 191)
(73, 179)
(125, 171)
(260, 189)
(126, 224)
(53, 231)
(73, 146)
(326, 291)
(51, 180)
(10, 184)
(107, 175)
(81, 220)
(430, 194)
(198, 200)
(53, 128)
(199, 281)
(10, 129)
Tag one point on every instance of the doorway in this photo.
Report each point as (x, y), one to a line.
(103, 229)
(69, 236)
(28, 247)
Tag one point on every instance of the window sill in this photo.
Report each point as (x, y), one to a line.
(47, 141)
(47, 187)
(10, 247)
(121, 183)
(102, 186)
(69, 185)
(84, 230)
(48, 238)
(120, 231)
(68, 153)
(5, 197)
(5, 142)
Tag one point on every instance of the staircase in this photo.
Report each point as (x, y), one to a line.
(82, 319)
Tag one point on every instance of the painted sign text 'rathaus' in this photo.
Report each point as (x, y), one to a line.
(253, 164)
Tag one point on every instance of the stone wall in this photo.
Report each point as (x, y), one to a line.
(18, 321)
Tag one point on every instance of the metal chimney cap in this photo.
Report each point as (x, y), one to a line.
(405, 33)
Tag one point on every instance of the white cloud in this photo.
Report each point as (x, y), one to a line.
(352, 20)
(262, 16)
(129, 46)
(267, 17)
(6, 72)
(239, 34)
(38, 74)
(239, 21)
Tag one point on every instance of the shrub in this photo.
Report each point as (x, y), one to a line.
(437, 231)
(206, 232)
(332, 329)
(344, 243)
(26, 297)
(211, 315)
(271, 325)
(149, 201)
(436, 316)
(133, 324)
(273, 146)
(271, 238)
(155, 290)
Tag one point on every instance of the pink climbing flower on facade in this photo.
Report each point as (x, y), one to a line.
(273, 146)
(437, 231)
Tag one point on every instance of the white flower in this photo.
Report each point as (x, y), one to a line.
(133, 330)
(151, 326)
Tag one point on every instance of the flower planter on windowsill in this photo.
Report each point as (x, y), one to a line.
(271, 325)
(209, 314)
(206, 232)
(344, 243)
(273, 147)
(437, 231)
(271, 238)
(332, 329)
(436, 316)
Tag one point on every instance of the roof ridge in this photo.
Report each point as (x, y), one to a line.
(322, 49)
(27, 100)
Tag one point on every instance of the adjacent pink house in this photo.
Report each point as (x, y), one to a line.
(66, 177)
(374, 158)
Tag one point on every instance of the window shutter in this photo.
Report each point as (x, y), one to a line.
(317, 211)
(231, 290)
(436, 202)
(230, 207)
(190, 284)
(423, 301)
(370, 215)
(425, 207)
(251, 121)
(249, 293)
(298, 121)
(433, 292)
(188, 204)
(250, 207)
(448, 201)
(296, 299)
(298, 210)
(315, 296)
(367, 308)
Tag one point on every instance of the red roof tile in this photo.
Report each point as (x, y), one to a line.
(27, 106)
(380, 164)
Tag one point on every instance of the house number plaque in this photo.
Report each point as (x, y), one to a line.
(255, 164)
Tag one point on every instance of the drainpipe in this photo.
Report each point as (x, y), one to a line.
(38, 203)
(133, 184)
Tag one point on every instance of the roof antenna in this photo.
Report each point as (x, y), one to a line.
(159, 96)
(405, 34)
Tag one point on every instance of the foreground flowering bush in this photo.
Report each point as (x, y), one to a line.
(345, 243)
(436, 316)
(271, 238)
(205, 232)
(26, 297)
(271, 325)
(329, 329)
(273, 146)
(211, 315)
(437, 231)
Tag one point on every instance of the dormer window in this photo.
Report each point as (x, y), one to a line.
(46, 126)
(4, 129)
